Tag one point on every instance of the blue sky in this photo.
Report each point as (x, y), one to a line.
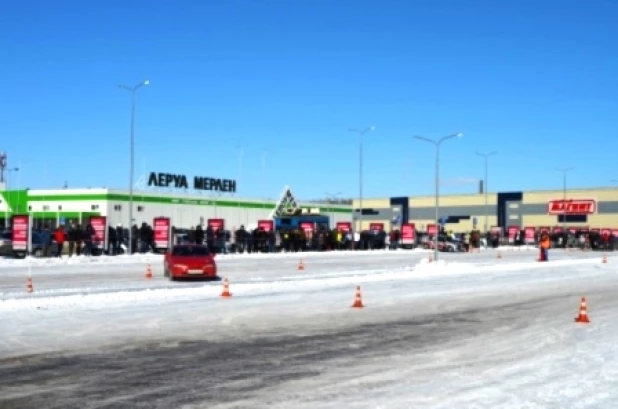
(535, 80)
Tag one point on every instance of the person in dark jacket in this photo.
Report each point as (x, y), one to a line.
(73, 238)
(88, 236)
(134, 238)
(120, 238)
(111, 241)
(199, 235)
(210, 238)
(46, 240)
(240, 237)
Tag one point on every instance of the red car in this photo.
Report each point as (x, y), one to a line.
(189, 261)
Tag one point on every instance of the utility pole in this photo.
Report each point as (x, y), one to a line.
(437, 144)
(360, 174)
(132, 90)
(486, 157)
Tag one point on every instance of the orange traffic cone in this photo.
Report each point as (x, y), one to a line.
(148, 272)
(583, 313)
(604, 259)
(358, 301)
(226, 288)
(301, 266)
(29, 287)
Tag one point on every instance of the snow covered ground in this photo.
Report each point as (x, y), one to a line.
(470, 331)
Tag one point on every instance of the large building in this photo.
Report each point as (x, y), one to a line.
(583, 208)
(184, 209)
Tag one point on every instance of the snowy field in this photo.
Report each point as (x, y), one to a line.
(470, 331)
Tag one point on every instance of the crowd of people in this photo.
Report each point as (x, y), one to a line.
(76, 239)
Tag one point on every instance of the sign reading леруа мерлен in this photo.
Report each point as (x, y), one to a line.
(172, 180)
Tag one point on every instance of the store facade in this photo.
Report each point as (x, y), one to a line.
(582, 209)
(185, 210)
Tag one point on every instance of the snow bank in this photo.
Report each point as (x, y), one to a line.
(153, 258)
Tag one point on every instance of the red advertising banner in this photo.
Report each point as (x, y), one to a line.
(344, 226)
(307, 226)
(606, 232)
(512, 232)
(496, 230)
(266, 225)
(544, 229)
(584, 229)
(21, 232)
(615, 232)
(408, 233)
(558, 230)
(216, 224)
(376, 226)
(162, 227)
(432, 229)
(573, 230)
(529, 233)
(571, 206)
(99, 227)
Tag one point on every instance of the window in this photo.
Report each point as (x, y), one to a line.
(573, 218)
(190, 251)
(94, 207)
(367, 212)
(140, 208)
(117, 208)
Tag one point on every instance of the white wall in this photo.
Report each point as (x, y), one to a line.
(184, 215)
(69, 206)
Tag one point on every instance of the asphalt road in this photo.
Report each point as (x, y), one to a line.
(200, 373)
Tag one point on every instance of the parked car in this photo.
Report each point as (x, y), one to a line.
(6, 243)
(38, 245)
(6, 246)
(447, 245)
(189, 261)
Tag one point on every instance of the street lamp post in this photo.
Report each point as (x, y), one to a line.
(437, 144)
(360, 173)
(241, 152)
(132, 90)
(263, 182)
(564, 198)
(486, 157)
(8, 179)
(6, 210)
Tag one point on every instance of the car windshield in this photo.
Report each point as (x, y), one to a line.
(190, 251)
